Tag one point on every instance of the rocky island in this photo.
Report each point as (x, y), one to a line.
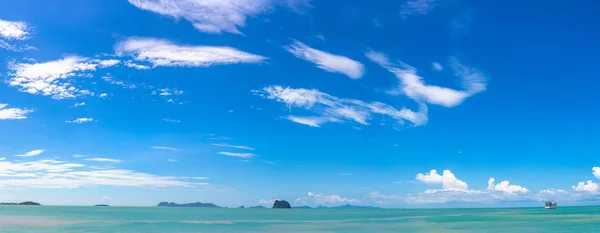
(22, 203)
(101, 205)
(281, 204)
(195, 204)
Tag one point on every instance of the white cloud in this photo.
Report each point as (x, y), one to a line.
(171, 160)
(79, 104)
(333, 109)
(53, 78)
(80, 120)
(131, 64)
(596, 172)
(327, 61)
(437, 66)
(31, 153)
(240, 155)
(165, 53)
(168, 92)
(171, 120)
(268, 202)
(505, 187)
(418, 7)
(214, 16)
(108, 160)
(311, 121)
(447, 180)
(232, 146)
(108, 78)
(103, 95)
(60, 174)
(414, 86)
(588, 186)
(14, 30)
(108, 63)
(326, 200)
(13, 113)
(164, 148)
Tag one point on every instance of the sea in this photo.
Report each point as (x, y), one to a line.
(51, 219)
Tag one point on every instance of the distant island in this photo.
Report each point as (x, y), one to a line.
(101, 205)
(195, 204)
(301, 207)
(22, 203)
(281, 204)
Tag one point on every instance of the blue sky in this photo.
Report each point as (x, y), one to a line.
(316, 102)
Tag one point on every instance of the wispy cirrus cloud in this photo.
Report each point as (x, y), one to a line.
(232, 146)
(31, 153)
(329, 108)
(327, 61)
(13, 113)
(80, 120)
(413, 85)
(239, 155)
(53, 78)
(418, 7)
(215, 16)
(164, 148)
(160, 52)
(171, 120)
(107, 160)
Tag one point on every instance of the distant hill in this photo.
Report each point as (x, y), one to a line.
(257, 207)
(195, 204)
(22, 203)
(101, 205)
(301, 207)
(348, 207)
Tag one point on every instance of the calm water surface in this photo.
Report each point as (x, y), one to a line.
(153, 219)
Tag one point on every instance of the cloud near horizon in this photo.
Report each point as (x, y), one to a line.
(56, 174)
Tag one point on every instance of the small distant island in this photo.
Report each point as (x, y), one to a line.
(281, 204)
(22, 203)
(101, 205)
(195, 204)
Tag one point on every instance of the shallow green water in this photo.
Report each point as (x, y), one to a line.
(152, 219)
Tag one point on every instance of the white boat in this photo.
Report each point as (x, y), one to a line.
(550, 205)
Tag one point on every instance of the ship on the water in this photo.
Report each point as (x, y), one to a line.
(550, 205)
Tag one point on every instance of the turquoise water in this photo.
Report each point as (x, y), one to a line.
(153, 219)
